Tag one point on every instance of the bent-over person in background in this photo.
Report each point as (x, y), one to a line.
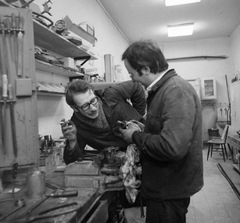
(94, 122)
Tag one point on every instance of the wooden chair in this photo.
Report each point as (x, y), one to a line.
(219, 143)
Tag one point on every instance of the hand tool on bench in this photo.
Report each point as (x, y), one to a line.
(71, 193)
(12, 116)
(27, 219)
(53, 186)
(19, 203)
(62, 194)
(57, 207)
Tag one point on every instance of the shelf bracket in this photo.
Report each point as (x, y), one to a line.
(81, 58)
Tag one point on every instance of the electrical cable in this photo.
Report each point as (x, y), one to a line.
(236, 191)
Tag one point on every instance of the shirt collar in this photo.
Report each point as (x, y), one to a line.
(149, 88)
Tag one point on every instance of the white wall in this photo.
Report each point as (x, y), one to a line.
(204, 68)
(235, 52)
(235, 49)
(111, 41)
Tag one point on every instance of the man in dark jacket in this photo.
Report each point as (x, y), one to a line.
(171, 143)
(96, 115)
(95, 119)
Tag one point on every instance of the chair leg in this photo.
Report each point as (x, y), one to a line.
(225, 148)
(231, 151)
(211, 149)
(223, 152)
(208, 150)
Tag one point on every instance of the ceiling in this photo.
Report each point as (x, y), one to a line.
(148, 19)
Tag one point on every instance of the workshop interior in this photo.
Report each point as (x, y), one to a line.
(45, 44)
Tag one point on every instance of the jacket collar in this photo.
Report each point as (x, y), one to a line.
(162, 81)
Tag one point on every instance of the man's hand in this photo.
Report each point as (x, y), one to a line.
(127, 133)
(69, 131)
(140, 124)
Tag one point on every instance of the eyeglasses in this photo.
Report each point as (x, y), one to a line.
(86, 106)
(135, 70)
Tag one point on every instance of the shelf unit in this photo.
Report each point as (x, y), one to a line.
(27, 95)
(48, 39)
(50, 93)
(196, 83)
(209, 89)
(47, 67)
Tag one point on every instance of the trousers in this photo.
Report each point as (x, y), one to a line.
(133, 215)
(167, 211)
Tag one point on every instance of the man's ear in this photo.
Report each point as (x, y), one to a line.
(74, 108)
(145, 70)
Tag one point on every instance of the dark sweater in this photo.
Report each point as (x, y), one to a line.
(115, 108)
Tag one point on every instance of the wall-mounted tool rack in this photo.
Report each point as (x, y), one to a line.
(18, 127)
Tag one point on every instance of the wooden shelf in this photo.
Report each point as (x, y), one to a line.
(48, 39)
(49, 93)
(43, 66)
(197, 58)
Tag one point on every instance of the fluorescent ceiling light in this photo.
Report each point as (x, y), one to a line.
(180, 30)
(179, 2)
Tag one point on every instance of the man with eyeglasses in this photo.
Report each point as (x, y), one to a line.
(95, 121)
(171, 143)
(96, 114)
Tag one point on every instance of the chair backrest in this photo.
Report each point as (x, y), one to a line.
(225, 133)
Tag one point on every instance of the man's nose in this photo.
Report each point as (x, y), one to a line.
(93, 107)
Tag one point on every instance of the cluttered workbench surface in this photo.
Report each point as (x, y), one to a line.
(48, 208)
(82, 191)
(88, 190)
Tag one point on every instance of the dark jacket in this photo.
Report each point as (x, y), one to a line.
(172, 140)
(115, 107)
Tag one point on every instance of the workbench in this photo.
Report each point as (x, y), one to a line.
(233, 142)
(92, 204)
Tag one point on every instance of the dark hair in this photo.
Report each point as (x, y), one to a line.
(74, 87)
(145, 53)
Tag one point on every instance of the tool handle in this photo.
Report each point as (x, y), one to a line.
(13, 17)
(73, 193)
(8, 25)
(1, 23)
(21, 22)
(10, 92)
(4, 86)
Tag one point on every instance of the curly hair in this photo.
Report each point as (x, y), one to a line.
(75, 87)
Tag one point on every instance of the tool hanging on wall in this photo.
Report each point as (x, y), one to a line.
(1, 73)
(4, 97)
(4, 82)
(14, 38)
(20, 33)
(9, 39)
(12, 116)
